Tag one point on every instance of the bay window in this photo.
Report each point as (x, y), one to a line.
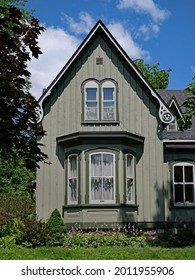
(72, 179)
(130, 181)
(102, 178)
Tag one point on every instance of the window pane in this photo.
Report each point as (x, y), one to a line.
(108, 193)
(91, 111)
(179, 193)
(178, 173)
(107, 165)
(96, 189)
(129, 167)
(188, 173)
(91, 94)
(108, 93)
(72, 179)
(72, 190)
(189, 193)
(129, 189)
(108, 111)
(96, 166)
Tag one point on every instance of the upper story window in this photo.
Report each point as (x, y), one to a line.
(183, 184)
(100, 101)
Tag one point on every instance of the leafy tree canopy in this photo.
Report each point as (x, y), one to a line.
(158, 78)
(19, 130)
(189, 105)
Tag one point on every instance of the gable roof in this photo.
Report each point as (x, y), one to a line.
(179, 97)
(164, 111)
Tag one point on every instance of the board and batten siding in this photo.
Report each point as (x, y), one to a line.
(137, 112)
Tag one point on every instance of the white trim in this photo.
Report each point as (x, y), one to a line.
(114, 185)
(70, 202)
(178, 110)
(178, 141)
(183, 184)
(164, 112)
(132, 176)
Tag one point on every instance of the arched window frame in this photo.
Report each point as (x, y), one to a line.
(99, 100)
(102, 177)
(72, 180)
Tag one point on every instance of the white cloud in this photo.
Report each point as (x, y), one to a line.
(127, 43)
(83, 26)
(57, 47)
(148, 31)
(146, 7)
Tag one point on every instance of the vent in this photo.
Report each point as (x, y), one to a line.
(99, 60)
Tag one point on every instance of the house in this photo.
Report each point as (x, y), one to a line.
(115, 154)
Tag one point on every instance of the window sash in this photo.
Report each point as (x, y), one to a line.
(100, 101)
(72, 184)
(102, 178)
(108, 103)
(130, 179)
(183, 184)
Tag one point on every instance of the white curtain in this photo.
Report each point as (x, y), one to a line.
(102, 177)
(72, 174)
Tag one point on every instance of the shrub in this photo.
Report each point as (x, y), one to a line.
(34, 233)
(56, 229)
(95, 240)
(183, 238)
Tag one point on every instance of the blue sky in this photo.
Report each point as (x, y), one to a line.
(155, 30)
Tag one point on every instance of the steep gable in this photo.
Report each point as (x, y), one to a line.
(100, 29)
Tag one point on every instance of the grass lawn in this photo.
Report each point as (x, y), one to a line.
(101, 253)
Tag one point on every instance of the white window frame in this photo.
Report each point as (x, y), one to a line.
(69, 177)
(99, 100)
(108, 84)
(183, 184)
(130, 176)
(102, 201)
(88, 85)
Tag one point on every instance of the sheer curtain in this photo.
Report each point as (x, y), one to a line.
(102, 177)
(72, 179)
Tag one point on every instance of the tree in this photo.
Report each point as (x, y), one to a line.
(159, 79)
(189, 105)
(19, 130)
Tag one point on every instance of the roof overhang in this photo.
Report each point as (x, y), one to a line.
(165, 114)
(179, 144)
(99, 137)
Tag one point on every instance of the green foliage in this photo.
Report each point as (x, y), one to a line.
(159, 79)
(14, 176)
(183, 238)
(7, 242)
(189, 105)
(12, 206)
(19, 43)
(56, 229)
(95, 240)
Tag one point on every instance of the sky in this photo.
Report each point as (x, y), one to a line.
(155, 30)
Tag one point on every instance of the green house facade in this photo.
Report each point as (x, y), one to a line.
(114, 156)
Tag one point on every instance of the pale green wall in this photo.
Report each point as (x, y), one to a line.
(138, 114)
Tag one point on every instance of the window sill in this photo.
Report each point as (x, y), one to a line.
(108, 205)
(184, 206)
